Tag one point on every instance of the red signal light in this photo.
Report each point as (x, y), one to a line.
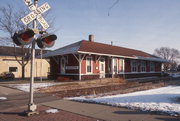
(23, 37)
(46, 40)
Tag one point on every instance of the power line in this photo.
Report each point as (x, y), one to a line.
(116, 2)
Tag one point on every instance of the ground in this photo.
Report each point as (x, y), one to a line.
(13, 101)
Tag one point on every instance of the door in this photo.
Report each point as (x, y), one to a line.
(102, 68)
(62, 65)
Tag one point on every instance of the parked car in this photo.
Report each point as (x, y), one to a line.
(7, 75)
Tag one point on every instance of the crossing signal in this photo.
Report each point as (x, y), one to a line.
(23, 37)
(46, 40)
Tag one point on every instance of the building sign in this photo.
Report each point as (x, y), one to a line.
(72, 67)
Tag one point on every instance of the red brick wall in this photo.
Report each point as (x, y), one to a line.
(83, 66)
(128, 66)
(72, 61)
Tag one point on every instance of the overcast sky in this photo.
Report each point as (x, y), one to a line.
(138, 24)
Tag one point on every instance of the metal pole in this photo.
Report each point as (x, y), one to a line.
(32, 107)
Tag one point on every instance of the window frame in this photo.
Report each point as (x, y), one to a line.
(152, 67)
(15, 69)
(143, 66)
(91, 70)
(134, 67)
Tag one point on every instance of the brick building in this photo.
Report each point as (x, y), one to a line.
(85, 60)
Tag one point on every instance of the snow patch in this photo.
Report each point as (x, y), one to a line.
(3, 98)
(162, 99)
(52, 111)
(36, 86)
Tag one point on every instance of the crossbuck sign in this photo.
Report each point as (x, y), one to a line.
(36, 13)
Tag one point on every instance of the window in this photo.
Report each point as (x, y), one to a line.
(88, 65)
(13, 69)
(143, 66)
(134, 66)
(121, 65)
(115, 66)
(152, 66)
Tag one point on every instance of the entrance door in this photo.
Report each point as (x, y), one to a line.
(62, 65)
(102, 68)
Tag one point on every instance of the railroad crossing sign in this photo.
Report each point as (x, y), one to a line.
(36, 13)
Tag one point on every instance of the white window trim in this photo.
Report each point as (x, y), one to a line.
(91, 65)
(141, 66)
(132, 66)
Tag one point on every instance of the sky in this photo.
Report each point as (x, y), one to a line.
(137, 24)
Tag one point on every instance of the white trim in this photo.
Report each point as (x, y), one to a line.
(135, 57)
(106, 54)
(91, 65)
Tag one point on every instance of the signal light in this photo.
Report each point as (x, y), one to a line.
(23, 37)
(46, 40)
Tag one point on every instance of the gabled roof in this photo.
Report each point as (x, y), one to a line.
(88, 47)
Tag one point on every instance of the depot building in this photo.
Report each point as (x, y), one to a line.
(88, 59)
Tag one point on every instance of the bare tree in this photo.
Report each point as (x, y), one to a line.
(170, 54)
(10, 23)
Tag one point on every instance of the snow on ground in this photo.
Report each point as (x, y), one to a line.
(175, 75)
(163, 99)
(3, 98)
(52, 111)
(25, 87)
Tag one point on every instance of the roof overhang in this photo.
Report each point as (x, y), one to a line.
(134, 57)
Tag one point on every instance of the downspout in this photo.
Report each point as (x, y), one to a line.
(124, 69)
(80, 67)
(112, 68)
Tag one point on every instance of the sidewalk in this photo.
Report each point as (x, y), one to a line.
(12, 108)
(107, 113)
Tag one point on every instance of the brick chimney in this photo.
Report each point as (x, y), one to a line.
(91, 38)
